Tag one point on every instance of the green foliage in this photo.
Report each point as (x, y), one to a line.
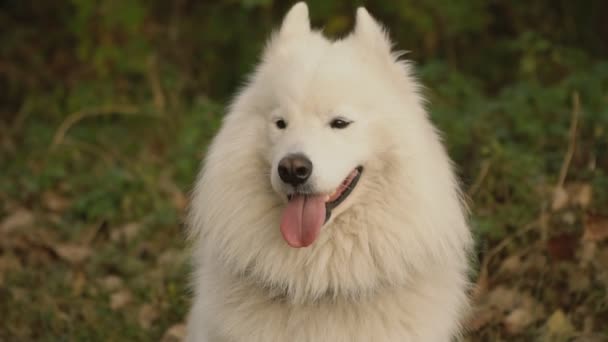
(108, 34)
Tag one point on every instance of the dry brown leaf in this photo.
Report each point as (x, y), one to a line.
(19, 218)
(559, 325)
(9, 262)
(527, 311)
(579, 194)
(560, 199)
(502, 298)
(176, 333)
(583, 196)
(120, 299)
(55, 202)
(172, 258)
(73, 254)
(602, 278)
(601, 263)
(34, 246)
(578, 280)
(568, 217)
(588, 325)
(480, 319)
(562, 247)
(148, 314)
(528, 301)
(596, 227)
(111, 283)
(521, 308)
(517, 320)
(602, 258)
(93, 232)
(54, 218)
(511, 264)
(79, 280)
(18, 294)
(179, 200)
(126, 233)
(536, 261)
(176, 195)
(587, 254)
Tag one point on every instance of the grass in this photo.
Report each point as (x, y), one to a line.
(108, 172)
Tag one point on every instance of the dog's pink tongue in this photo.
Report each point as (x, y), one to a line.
(302, 220)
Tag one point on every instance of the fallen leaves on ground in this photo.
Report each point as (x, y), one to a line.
(574, 194)
(55, 201)
(532, 288)
(18, 219)
(111, 283)
(562, 246)
(596, 227)
(74, 254)
(546, 282)
(558, 325)
(175, 333)
(120, 299)
(126, 233)
(147, 315)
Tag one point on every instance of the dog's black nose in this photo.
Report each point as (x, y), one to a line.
(295, 169)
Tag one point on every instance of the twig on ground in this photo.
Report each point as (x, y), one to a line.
(20, 118)
(75, 117)
(483, 172)
(155, 85)
(483, 269)
(92, 149)
(571, 140)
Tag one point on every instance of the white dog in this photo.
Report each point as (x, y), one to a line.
(327, 209)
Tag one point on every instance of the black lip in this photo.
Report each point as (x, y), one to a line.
(331, 205)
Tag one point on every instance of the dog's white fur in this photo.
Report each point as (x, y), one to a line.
(391, 264)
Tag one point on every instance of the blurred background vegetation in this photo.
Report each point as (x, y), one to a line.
(106, 108)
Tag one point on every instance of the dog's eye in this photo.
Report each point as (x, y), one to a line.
(339, 123)
(281, 124)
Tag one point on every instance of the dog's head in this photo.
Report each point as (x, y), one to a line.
(327, 107)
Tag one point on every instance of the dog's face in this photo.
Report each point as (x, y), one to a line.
(317, 160)
(316, 164)
(322, 111)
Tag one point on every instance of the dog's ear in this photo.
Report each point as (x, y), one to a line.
(370, 32)
(296, 21)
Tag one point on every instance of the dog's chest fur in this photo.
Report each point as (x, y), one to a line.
(235, 310)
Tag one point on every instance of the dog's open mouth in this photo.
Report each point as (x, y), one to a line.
(305, 214)
(342, 191)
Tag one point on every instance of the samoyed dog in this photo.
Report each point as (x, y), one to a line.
(327, 208)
